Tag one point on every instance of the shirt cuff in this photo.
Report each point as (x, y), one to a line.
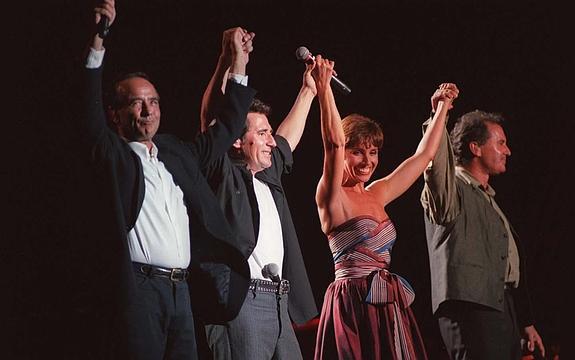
(239, 79)
(95, 58)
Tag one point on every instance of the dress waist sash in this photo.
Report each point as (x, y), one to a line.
(384, 286)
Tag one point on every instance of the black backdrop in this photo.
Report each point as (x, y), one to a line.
(509, 58)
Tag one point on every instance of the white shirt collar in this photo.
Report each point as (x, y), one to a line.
(142, 150)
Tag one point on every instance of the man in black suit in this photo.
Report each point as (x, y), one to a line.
(248, 184)
(162, 205)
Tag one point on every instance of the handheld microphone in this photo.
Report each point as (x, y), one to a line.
(103, 26)
(271, 271)
(303, 54)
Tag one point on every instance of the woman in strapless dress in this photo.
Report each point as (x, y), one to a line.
(366, 313)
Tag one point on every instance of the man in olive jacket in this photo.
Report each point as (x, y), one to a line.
(479, 288)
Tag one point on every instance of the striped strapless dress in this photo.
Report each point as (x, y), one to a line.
(366, 312)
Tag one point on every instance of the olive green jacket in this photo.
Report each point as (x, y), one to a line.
(467, 240)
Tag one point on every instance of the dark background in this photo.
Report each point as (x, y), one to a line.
(509, 57)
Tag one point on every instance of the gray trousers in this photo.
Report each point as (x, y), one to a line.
(261, 331)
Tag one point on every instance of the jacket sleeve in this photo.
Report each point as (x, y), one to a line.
(92, 124)
(103, 144)
(439, 196)
(231, 119)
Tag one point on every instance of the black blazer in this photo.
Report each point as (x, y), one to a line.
(120, 170)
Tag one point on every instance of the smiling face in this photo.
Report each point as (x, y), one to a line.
(364, 138)
(257, 143)
(492, 155)
(360, 162)
(137, 115)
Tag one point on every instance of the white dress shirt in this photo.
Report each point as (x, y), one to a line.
(270, 245)
(161, 234)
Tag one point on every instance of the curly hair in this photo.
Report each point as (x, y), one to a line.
(471, 127)
(361, 130)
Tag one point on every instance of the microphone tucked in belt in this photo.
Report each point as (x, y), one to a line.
(276, 285)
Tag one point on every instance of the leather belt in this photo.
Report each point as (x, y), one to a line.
(174, 274)
(280, 288)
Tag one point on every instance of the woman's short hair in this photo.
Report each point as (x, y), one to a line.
(361, 130)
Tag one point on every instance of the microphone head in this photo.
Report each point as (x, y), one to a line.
(274, 269)
(270, 270)
(302, 53)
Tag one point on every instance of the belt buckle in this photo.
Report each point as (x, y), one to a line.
(284, 287)
(177, 275)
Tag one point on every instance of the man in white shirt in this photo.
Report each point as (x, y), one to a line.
(162, 203)
(247, 182)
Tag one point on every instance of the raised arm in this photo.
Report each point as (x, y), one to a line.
(231, 107)
(439, 195)
(327, 196)
(291, 128)
(105, 8)
(93, 120)
(236, 46)
(392, 186)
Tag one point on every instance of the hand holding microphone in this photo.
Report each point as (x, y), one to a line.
(105, 15)
(303, 54)
(103, 27)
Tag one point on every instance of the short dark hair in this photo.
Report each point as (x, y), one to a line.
(258, 106)
(112, 97)
(361, 130)
(471, 127)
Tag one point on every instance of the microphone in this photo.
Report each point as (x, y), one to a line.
(270, 271)
(303, 54)
(103, 26)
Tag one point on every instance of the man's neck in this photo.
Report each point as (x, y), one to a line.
(254, 172)
(478, 173)
(148, 144)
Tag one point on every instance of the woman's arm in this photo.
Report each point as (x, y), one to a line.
(392, 186)
(328, 193)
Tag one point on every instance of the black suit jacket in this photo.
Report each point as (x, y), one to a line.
(120, 171)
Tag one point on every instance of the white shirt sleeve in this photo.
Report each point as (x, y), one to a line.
(95, 58)
(238, 78)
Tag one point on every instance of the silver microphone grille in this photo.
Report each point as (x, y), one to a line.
(302, 53)
(270, 270)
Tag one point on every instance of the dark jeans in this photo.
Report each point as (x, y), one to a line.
(160, 322)
(477, 332)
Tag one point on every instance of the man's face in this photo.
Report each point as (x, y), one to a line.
(257, 143)
(493, 154)
(138, 116)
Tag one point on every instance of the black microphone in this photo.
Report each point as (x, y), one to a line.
(271, 271)
(303, 54)
(103, 26)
